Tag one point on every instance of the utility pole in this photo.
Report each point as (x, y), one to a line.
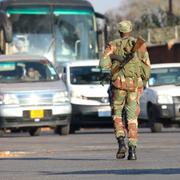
(170, 7)
(170, 13)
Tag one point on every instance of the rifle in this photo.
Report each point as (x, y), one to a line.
(123, 61)
(105, 76)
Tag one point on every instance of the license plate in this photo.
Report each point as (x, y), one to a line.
(36, 114)
(104, 113)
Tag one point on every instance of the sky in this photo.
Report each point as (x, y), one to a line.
(102, 6)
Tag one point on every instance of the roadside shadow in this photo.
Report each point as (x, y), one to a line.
(164, 131)
(142, 130)
(164, 171)
(123, 172)
(55, 159)
(161, 171)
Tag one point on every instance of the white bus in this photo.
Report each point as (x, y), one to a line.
(61, 30)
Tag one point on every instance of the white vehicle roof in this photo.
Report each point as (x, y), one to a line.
(165, 65)
(82, 63)
(21, 57)
(96, 63)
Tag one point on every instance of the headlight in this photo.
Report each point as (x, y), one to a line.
(165, 99)
(61, 97)
(9, 99)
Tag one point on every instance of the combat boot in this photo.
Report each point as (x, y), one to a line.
(132, 153)
(122, 148)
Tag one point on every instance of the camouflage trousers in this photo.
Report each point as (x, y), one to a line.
(130, 101)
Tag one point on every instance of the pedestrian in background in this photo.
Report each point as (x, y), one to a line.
(130, 71)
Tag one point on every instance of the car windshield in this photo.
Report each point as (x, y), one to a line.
(164, 76)
(86, 75)
(27, 71)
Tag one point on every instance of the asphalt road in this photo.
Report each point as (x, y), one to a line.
(88, 154)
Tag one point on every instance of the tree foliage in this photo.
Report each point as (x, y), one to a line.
(145, 15)
(158, 19)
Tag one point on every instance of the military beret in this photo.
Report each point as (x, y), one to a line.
(125, 26)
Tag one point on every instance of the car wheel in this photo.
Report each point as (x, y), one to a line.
(73, 129)
(153, 119)
(156, 127)
(15, 130)
(63, 130)
(75, 123)
(1, 132)
(35, 131)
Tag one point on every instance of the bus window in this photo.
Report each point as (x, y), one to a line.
(75, 37)
(56, 32)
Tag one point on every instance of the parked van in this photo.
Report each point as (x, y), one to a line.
(89, 98)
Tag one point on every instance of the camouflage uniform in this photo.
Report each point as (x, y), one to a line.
(127, 84)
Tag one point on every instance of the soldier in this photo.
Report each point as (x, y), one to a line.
(128, 76)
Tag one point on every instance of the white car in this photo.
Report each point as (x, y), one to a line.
(30, 100)
(160, 101)
(89, 98)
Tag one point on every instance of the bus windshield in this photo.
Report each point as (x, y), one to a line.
(59, 36)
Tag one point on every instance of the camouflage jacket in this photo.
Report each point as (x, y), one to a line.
(129, 77)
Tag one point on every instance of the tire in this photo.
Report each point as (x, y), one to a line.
(63, 130)
(35, 131)
(155, 125)
(2, 132)
(75, 123)
(73, 129)
(14, 130)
